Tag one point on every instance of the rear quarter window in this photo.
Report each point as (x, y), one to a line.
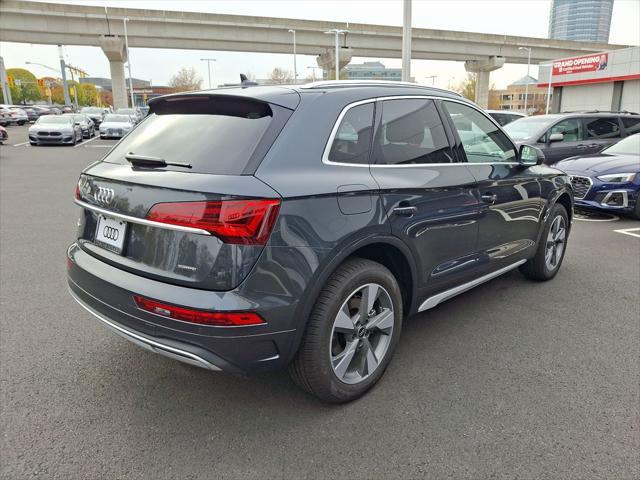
(216, 135)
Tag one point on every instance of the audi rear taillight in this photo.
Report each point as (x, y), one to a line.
(202, 317)
(247, 222)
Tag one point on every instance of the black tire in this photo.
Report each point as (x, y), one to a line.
(537, 268)
(636, 211)
(312, 369)
(34, 144)
(20, 123)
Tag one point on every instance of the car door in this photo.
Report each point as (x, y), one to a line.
(601, 132)
(572, 143)
(509, 193)
(427, 194)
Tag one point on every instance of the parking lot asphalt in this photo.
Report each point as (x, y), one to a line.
(514, 379)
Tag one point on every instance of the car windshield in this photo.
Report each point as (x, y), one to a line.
(117, 118)
(126, 111)
(91, 110)
(628, 146)
(527, 127)
(51, 119)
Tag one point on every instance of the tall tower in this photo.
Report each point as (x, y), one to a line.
(580, 20)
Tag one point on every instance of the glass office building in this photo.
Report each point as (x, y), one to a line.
(580, 20)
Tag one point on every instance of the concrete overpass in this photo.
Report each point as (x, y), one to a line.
(47, 23)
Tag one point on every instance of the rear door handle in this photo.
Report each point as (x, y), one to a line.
(405, 211)
(489, 198)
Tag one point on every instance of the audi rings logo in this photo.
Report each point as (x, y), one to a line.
(104, 195)
(110, 233)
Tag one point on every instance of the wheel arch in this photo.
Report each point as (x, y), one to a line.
(388, 250)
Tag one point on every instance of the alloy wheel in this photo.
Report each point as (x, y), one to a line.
(556, 239)
(361, 333)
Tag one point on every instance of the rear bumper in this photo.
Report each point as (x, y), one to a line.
(175, 351)
(107, 293)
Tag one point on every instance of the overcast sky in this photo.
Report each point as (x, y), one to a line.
(508, 17)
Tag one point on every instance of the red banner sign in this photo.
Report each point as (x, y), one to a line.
(586, 63)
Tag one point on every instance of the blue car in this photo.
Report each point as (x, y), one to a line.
(609, 180)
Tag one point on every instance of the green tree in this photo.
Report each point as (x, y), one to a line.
(467, 88)
(28, 88)
(87, 94)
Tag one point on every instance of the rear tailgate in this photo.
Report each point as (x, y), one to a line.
(203, 225)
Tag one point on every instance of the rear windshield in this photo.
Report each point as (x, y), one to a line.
(91, 110)
(215, 135)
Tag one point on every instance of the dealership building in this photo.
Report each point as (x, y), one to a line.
(605, 81)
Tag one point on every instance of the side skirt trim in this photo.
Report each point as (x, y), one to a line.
(447, 294)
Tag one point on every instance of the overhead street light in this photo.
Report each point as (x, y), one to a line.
(295, 69)
(208, 60)
(433, 79)
(337, 32)
(526, 87)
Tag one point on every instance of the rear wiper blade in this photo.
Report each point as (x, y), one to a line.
(152, 162)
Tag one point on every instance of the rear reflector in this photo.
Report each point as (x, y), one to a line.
(246, 222)
(202, 317)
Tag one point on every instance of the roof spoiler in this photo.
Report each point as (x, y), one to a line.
(245, 82)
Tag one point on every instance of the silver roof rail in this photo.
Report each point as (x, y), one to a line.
(370, 83)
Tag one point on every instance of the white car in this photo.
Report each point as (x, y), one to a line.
(132, 112)
(21, 116)
(115, 126)
(55, 129)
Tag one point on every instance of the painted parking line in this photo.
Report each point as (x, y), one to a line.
(629, 231)
(20, 144)
(99, 146)
(84, 142)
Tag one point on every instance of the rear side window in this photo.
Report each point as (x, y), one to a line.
(353, 138)
(411, 133)
(631, 124)
(606, 127)
(216, 135)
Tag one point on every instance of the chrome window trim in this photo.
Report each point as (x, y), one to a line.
(343, 112)
(141, 221)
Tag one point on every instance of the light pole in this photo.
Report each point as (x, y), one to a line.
(208, 60)
(337, 32)
(295, 68)
(65, 85)
(549, 88)
(406, 41)
(126, 46)
(526, 87)
(433, 79)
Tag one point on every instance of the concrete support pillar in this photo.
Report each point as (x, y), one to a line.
(327, 60)
(114, 48)
(483, 69)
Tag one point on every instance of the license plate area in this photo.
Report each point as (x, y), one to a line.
(110, 233)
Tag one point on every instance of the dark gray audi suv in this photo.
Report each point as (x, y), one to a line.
(261, 227)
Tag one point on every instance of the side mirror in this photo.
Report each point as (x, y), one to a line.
(530, 155)
(77, 123)
(556, 137)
